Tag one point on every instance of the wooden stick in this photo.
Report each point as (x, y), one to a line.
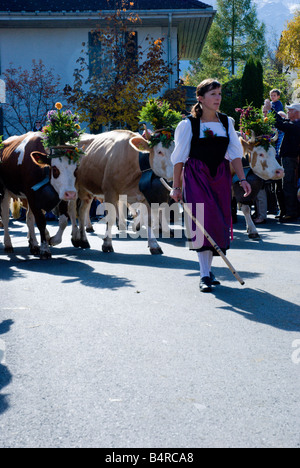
(208, 237)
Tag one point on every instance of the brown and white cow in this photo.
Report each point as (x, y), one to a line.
(27, 172)
(265, 167)
(110, 169)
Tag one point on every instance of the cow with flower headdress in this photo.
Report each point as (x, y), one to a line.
(258, 136)
(40, 168)
(120, 164)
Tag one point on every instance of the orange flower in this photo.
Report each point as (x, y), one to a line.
(58, 106)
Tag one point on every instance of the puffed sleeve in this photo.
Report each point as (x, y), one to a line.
(235, 149)
(183, 138)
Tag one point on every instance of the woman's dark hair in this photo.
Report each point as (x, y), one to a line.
(203, 88)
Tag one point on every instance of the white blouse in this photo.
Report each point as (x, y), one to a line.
(184, 135)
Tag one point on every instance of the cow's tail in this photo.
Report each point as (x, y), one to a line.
(15, 208)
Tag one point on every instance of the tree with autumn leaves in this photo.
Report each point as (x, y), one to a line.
(289, 48)
(114, 78)
(30, 94)
(115, 75)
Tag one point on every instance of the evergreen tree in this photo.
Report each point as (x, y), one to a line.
(252, 83)
(235, 35)
(245, 35)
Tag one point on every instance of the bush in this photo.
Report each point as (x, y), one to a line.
(231, 92)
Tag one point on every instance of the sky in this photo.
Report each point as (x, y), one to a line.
(274, 13)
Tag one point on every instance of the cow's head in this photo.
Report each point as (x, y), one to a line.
(160, 157)
(62, 174)
(263, 161)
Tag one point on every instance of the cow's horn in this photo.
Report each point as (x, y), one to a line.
(147, 133)
(252, 139)
(275, 137)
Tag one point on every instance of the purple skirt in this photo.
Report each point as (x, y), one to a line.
(210, 202)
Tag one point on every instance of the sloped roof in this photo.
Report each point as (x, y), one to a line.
(96, 5)
(192, 18)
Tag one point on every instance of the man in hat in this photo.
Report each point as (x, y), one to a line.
(290, 155)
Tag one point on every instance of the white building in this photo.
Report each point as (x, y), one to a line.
(54, 30)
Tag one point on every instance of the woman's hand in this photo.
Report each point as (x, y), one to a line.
(246, 187)
(267, 105)
(176, 194)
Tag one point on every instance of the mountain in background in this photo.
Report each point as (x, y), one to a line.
(274, 13)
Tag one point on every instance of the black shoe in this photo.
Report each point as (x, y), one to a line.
(288, 219)
(214, 280)
(205, 284)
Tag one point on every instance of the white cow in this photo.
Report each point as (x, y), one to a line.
(28, 173)
(110, 169)
(264, 165)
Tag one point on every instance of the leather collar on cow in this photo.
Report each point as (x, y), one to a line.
(144, 162)
(43, 182)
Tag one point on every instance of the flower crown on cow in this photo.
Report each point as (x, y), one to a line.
(62, 132)
(163, 120)
(256, 127)
(1, 144)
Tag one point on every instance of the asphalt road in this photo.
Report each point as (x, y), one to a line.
(122, 350)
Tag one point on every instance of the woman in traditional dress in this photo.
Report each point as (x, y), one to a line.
(205, 143)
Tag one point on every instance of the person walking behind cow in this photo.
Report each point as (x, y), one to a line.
(277, 106)
(274, 189)
(290, 155)
(271, 195)
(38, 127)
(201, 143)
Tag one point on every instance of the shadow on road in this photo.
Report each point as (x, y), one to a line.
(5, 375)
(260, 306)
(74, 270)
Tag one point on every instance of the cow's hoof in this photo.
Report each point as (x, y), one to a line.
(35, 250)
(107, 248)
(45, 256)
(84, 244)
(76, 243)
(254, 235)
(90, 229)
(9, 250)
(54, 242)
(156, 251)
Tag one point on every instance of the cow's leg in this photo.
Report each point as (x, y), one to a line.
(153, 245)
(88, 222)
(111, 200)
(63, 223)
(32, 240)
(8, 248)
(83, 207)
(251, 228)
(40, 220)
(107, 241)
(75, 234)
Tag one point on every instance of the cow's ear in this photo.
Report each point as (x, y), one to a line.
(140, 144)
(247, 147)
(40, 158)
